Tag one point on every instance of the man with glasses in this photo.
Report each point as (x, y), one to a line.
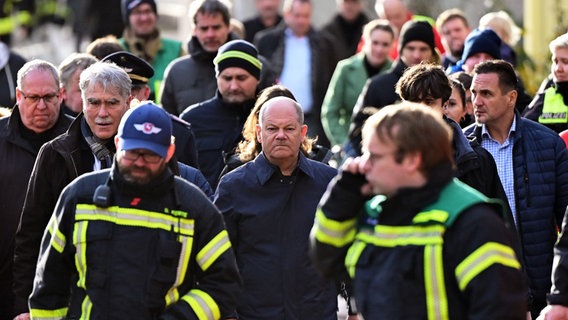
(86, 146)
(418, 243)
(140, 242)
(35, 119)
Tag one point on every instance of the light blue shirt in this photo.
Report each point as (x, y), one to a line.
(503, 156)
(297, 70)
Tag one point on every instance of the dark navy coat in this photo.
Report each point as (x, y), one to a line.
(269, 218)
(540, 162)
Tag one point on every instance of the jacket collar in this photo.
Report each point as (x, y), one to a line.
(475, 130)
(461, 146)
(265, 170)
(407, 202)
(13, 133)
(398, 67)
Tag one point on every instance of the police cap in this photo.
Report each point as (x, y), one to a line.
(137, 69)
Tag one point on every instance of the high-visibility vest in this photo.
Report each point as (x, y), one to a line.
(554, 111)
(427, 231)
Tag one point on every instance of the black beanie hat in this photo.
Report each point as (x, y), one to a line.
(128, 5)
(416, 31)
(238, 53)
(486, 41)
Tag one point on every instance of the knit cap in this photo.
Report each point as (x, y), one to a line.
(128, 5)
(485, 40)
(240, 54)
(416, 31)
(147, 127)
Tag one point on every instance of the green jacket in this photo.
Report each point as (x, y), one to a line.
(344, 88)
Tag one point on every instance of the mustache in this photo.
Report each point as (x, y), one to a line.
(100, 120)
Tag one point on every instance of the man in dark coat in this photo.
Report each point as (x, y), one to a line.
(36, 119)
(191, 79)
(267, 17)
(269, 227)
(218, 122)
(86, 146)
(532, 162)
(346, 27)
(166, 254)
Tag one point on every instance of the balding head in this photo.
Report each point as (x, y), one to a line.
(281, 132)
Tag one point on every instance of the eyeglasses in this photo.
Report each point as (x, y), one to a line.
(142, 12)
(49, 98)
(132, 155)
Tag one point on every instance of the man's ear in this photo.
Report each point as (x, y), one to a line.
(116, 140)
(62, 93)
(412, 161)
(19, 95)
(304, 131)
(512, 96)
(171, 151)
(258, 135)
(146, 92)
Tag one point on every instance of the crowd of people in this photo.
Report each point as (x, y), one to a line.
(269, 170)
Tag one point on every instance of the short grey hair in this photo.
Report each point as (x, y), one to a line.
(37, 65)
(108, 75)
(70, 65)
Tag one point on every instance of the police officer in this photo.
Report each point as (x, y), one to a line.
(550, 106)
(141, 242)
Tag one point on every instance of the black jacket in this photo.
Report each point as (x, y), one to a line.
(59, 162)
(191, 79)
(475, 167)
(344, 35)
(186, 152)
(254, 25)
(559, 291)
(8, 75)
(18, 150)
(163, 254)
(379, 91)
(217, 126)
(540, 167)
(396, 269)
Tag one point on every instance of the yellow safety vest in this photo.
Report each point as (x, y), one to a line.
(554, 111)
(427, 230)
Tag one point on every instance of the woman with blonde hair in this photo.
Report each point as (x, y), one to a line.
(249, 147)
